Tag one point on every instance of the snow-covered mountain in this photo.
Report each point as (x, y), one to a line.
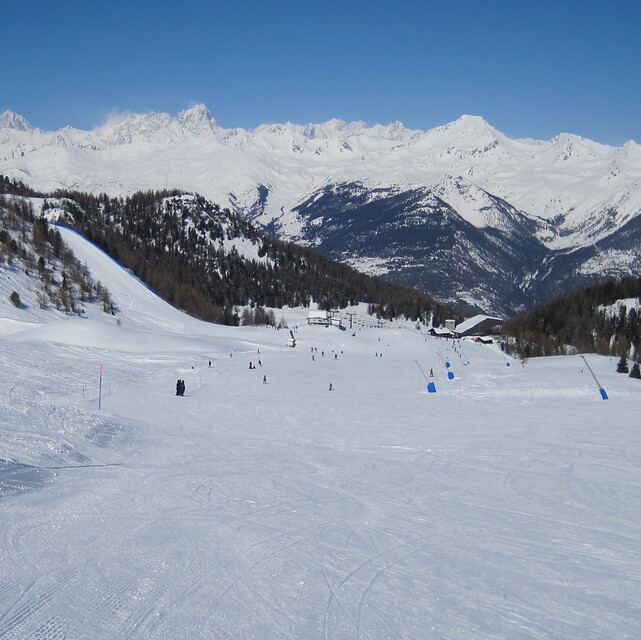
(566, 194)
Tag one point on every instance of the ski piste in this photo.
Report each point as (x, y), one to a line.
(506, 505)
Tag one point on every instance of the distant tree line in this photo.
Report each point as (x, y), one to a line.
(181, 245)
(578, 322)
(11, 186)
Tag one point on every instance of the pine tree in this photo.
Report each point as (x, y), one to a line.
(622, 367)
(636, 371)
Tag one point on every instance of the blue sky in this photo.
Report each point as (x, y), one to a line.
(530, 68)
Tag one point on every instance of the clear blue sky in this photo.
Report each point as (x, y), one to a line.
(531, 68)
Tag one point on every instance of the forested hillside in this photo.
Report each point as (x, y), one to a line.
(603, 318)
(57, 279)
(209, 261)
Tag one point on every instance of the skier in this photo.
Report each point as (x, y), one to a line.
(210, 364)
(264, 379)
(330, 386)
(182, 387)
(431, 372)
(177, 387)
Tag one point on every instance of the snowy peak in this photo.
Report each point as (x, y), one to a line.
(471, 202)
(332, 128)
(465, 138)
(568, 146)
(467, 127)
(132, 127)
(325, 129)
(11, 120)
(119, 129)
(197, 120)
(484, 210)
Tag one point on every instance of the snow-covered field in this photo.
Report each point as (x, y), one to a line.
(507, 505)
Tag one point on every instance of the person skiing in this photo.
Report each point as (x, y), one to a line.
(431, 372)
(331, 386)
(177, 387)
(264, 379)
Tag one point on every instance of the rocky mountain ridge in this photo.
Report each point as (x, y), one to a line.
(574, 203)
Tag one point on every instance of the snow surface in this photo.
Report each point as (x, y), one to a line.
(505, 506)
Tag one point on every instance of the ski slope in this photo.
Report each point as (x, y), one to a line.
(505, 506)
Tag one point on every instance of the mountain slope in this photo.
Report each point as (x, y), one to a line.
(416, 238)
(569, 193)
(565, 179)
(211, 262)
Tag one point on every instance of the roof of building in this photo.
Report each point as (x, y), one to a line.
(441, 331)
(475, 322)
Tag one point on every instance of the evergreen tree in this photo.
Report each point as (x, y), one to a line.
(622, 367)
(636, 371)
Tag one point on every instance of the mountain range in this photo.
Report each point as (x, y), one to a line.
(462, 211)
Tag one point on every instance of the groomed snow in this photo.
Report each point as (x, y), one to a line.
(505, 506)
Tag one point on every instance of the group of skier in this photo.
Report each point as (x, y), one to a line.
(180, 384)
